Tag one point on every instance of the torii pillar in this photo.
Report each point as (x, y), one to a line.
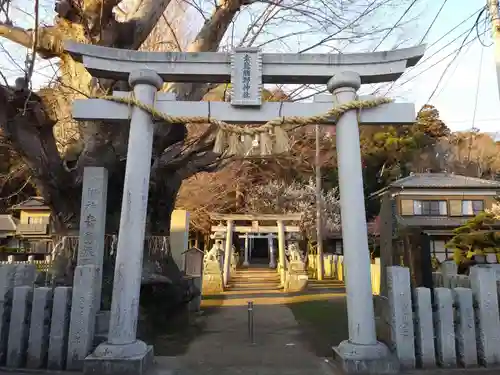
(361, 350)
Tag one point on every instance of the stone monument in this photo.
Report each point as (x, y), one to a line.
(296, 275)
(212, 270)
(246, 69)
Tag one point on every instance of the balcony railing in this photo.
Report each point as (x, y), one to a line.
(32, 229)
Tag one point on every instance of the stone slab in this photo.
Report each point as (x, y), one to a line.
(465, 327)
(39, 328)
(59, 329)
(484, 289)
(25, 275)
(445, 330)
(400, 308)
(82, 321)
(424, 329)
(138, 365)
(215, 67)
(19, 327)
(7, 275)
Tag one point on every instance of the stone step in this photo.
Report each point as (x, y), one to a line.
(255, 274)
(246, 277)
(253, 284)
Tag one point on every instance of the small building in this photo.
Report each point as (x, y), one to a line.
(33, 228)
(437, 203)
(8, 227)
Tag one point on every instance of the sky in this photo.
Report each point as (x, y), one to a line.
(472, 72)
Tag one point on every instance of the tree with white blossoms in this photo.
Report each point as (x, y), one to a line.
(280, 197)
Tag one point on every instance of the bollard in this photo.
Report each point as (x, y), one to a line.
(250, 321)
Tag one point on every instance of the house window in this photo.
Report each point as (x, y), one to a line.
(472, 207)
(35, 220)
(430, 208)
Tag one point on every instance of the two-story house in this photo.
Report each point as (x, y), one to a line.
(33, 224)
(437, 203)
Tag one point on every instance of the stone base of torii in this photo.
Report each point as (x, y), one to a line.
(123, 353)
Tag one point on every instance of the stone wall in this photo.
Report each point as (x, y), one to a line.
(33, 320)
(441, 327)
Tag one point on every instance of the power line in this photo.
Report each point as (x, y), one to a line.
(437, 41)
(477, 87)
(456, 27)
(450, 76)
(433, 21)
(477, 120)
(396, 24)
(452, 60)
(440, 60)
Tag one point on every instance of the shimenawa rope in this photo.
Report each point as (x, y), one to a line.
(228, 138)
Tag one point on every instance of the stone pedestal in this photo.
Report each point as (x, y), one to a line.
(122, 363)
(365, 359)
(296, 277)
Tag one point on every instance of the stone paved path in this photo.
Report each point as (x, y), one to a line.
(224, 347)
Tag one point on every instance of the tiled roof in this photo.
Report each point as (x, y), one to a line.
(444, 180)
(7, 223)
(31, 203)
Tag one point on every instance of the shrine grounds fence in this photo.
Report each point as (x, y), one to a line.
(40, 328)
(456, 324)
(446, 327)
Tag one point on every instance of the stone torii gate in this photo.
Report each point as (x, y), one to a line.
(246, 69)
(281, 228)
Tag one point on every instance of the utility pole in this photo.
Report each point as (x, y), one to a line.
(495, 26)
(319, 219)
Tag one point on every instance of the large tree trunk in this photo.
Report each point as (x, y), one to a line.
(57, 149)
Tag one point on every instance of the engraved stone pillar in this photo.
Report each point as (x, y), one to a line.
(122, 343)
(445, 332)
(465, 327)
(39, 327)
(362, 345)
(400, 306)
(484, 289)
(58, 341)
(426, 354)
(82, 318)
(93, 223)
(19, 326)
(7, 276)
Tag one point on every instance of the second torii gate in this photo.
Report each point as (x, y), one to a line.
(281, 228)
(246, 69)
